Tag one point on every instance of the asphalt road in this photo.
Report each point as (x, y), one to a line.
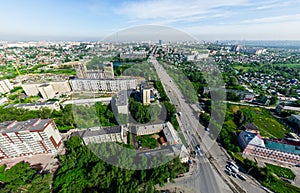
(204, 178)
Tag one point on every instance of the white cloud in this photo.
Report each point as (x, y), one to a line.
(258, 31)
(173, 11)
(275, 19)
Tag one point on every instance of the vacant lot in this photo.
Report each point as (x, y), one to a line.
(281, 172)
(263, 119)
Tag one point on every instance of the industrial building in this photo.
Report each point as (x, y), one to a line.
(29, 137)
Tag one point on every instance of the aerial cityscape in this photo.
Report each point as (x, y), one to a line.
(150, 96)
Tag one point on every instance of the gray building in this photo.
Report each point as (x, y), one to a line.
(295, 119)
(119, 102)
(100, 135)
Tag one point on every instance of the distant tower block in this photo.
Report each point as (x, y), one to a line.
(81, 70)
(108, 70)
(160, 42)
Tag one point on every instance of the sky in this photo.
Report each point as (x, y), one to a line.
(97, 19)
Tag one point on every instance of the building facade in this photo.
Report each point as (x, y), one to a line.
(101, 135)
(53, 105)
(54, 88)
(5, 86)
(295, 119)
(46, 91)
(29, 137)
(113, 85)
(105, 71)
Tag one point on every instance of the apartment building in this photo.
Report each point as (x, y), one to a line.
(5, 86)
(53, 105)
(113, 85)
(100, 135)
(34, 136)
(46, 90)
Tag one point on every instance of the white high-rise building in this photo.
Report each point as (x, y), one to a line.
(29, 137)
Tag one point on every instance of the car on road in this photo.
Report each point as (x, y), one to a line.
(197, 147)
(241, 177)
(206, 129)
(227, 172)
(234, 169)
(234, 175)
(228, 167)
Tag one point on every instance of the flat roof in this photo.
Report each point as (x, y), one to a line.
(282, 146)
(122, 98)
(35, 104)
(29, 125)
(96, 131)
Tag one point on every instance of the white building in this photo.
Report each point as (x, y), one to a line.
(56, 87)
(29, 137)
(3, 100)
(61, 87)
(47, 91)
(5, 86)
(53, 105)
(114, 85)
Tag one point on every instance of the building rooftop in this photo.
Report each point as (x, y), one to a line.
(95, 131)
(296, 116)
(283, 145)
(36, 104)
(251, 126)
(150, 128)
(29, 125)
(122, 98)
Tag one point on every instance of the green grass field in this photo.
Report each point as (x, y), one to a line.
(281, 172)
(244, 68)
(147, 141)
(267, 124)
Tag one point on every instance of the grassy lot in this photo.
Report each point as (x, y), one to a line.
(244, 68)
(148, 141)
(288, 65)
(268, 125)
(182, 139)
(281, 172)
(281, 187)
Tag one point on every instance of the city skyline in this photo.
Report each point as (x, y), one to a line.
(95, 20)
